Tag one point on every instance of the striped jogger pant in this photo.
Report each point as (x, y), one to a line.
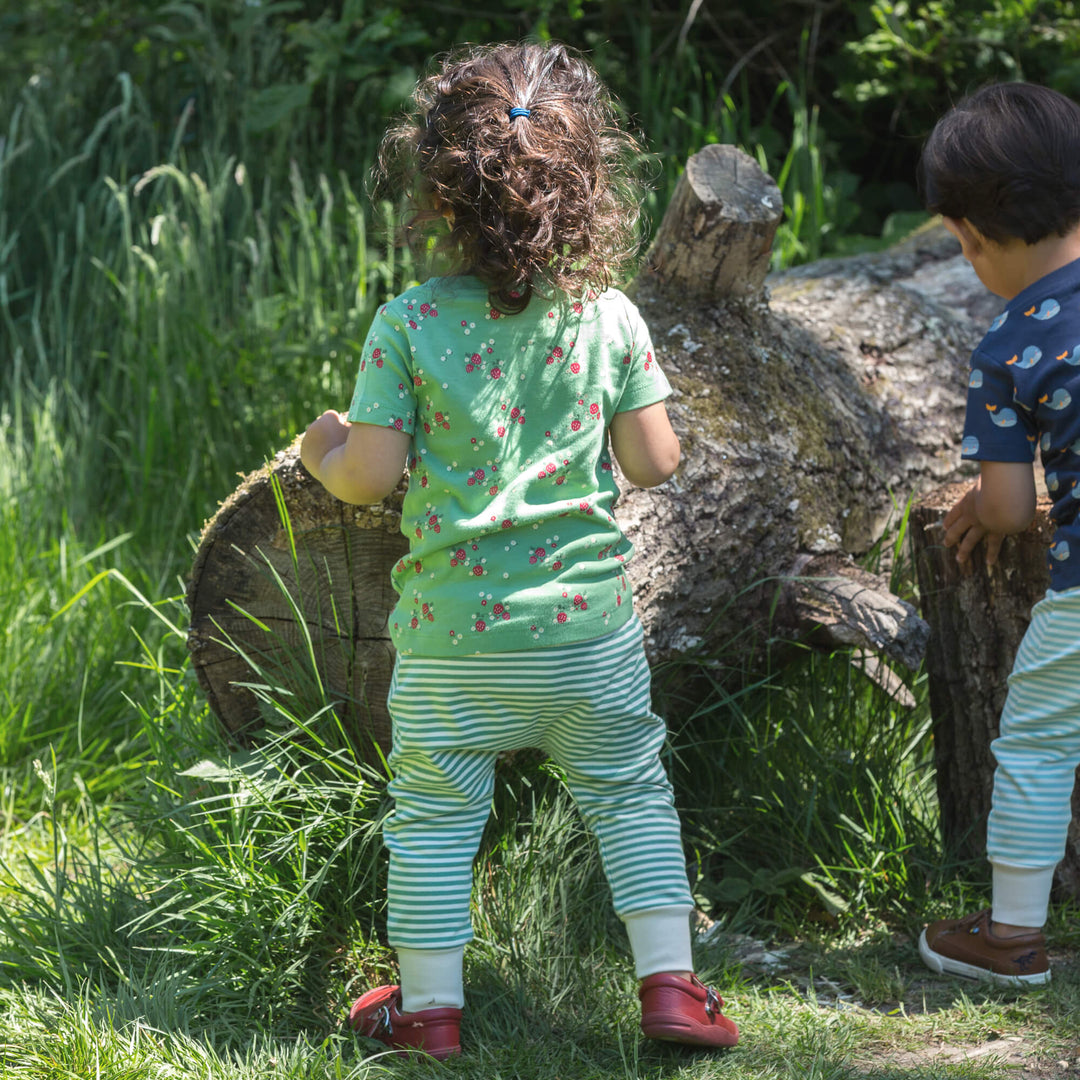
(1038, 748)
(588, 706)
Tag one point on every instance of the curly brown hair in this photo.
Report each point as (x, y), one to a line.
(518, 147)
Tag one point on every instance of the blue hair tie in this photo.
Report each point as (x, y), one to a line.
(518, 111)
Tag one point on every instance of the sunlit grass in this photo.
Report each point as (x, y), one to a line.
(174, 905)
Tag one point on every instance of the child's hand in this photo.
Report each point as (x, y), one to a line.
(964, 530)
(326, 433)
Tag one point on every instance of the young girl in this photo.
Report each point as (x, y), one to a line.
(500, 386)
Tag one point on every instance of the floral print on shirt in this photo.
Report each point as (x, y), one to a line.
(510, 508)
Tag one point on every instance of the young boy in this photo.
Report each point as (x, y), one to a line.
(1003, 169)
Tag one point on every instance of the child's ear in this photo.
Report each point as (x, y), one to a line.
(971, 240)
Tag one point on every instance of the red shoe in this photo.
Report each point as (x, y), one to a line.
(682, 1011)
(377, 1014)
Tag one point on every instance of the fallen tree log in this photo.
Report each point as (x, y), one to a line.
(807, 420)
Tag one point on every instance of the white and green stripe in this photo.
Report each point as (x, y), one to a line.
(1038, 749)
(588, 706)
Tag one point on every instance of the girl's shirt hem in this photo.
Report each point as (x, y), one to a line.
(510, 508)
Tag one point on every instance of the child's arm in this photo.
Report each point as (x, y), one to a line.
(644, 445)
(357, 463)
(1001, 501)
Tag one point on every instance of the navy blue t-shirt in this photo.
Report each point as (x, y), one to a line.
(1024, 395)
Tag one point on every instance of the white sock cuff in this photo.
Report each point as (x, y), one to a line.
(1021, 893)
(660, 939)
(431, 978)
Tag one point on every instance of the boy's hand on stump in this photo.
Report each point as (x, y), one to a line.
(964, 530)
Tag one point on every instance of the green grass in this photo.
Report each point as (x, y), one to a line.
(173, 906)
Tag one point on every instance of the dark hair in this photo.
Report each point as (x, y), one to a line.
(547, 198)
(1007, 158)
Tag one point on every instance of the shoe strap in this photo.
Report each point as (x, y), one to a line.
(383, 1023)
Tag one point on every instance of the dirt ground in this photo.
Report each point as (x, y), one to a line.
(1018, 1053)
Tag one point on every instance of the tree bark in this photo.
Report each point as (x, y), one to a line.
(977, 618)
(716, 236)
(806, 423)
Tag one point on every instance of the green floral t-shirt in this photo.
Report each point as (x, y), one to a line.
(513, 544)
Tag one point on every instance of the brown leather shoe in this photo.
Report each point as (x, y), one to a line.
(677, 1010)
(377, 1014)
(969, 947)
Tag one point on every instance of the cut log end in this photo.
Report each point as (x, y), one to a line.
(715, 241)
(289, 609)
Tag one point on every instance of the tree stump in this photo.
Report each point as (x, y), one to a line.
(977, 618)
(806, 421)
(716, 236)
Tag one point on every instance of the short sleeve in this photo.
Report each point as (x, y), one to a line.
(646, 383)
(383, 394)
(996, 427)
